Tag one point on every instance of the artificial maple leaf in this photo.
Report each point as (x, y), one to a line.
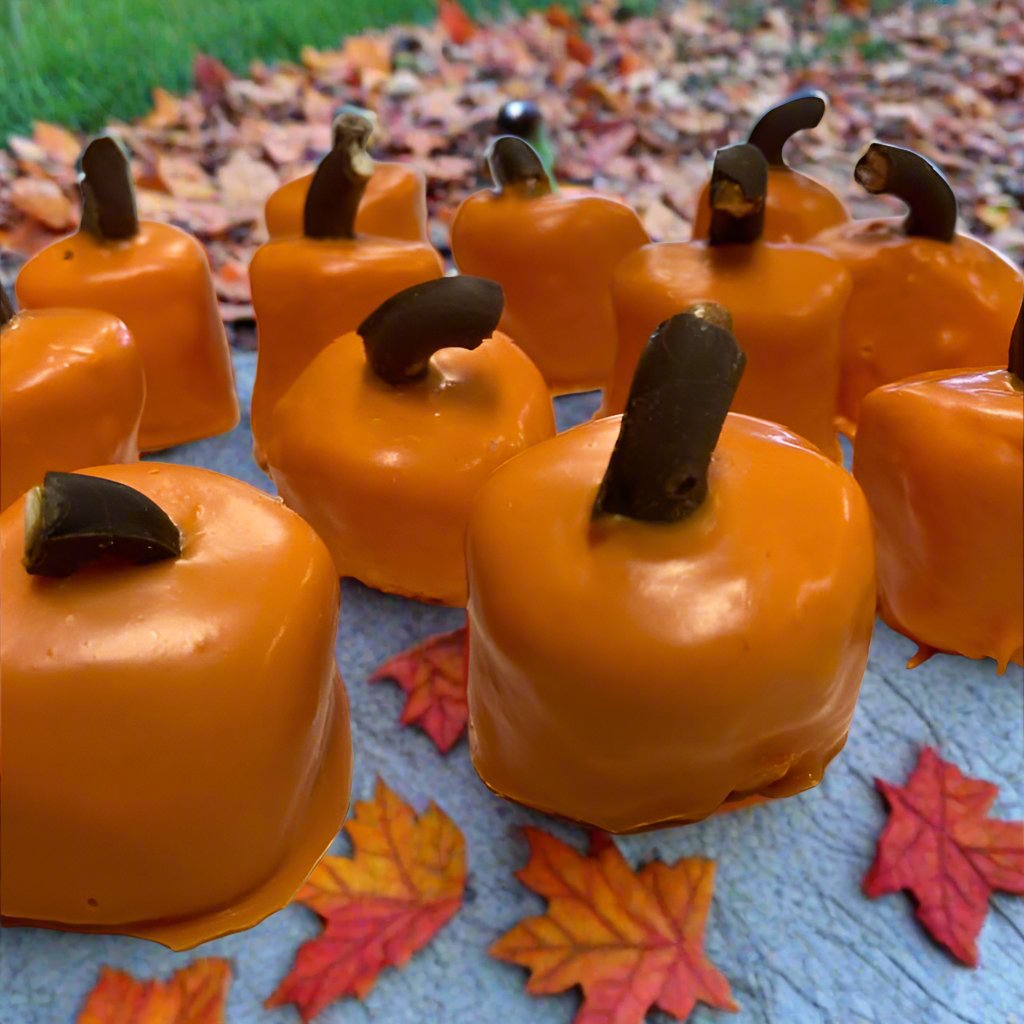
(433, 674)
(456, 23)
(939, 844)
(630, 940)
(194, 995)
(403, 883)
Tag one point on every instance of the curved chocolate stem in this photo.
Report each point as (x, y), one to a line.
(1015, 362)
(341, 179)
(739, 183)
(778, 124)
(681, 393)
(403, 333)
(7, 310)
(517, 167)
(72, 520)
(895, 171)
(108, 192)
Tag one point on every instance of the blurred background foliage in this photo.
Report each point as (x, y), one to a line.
(81, 63)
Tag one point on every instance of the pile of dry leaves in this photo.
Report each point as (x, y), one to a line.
(635, 105)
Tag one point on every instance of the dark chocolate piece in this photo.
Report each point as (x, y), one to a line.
(780, 123)
(739, 182)
(339, 182)
(403, 333)
(521, 118)
(72, 520)
(895, 171)
(515, 165)
(681, 392)
(7, 310)
(1015, 362)
(108, 192)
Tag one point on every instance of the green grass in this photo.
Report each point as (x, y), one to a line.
(82, 62)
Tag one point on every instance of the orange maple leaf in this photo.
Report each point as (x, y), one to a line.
(194, 995)
(630, 940)
(458, 25)
(403, 883)
(433, 674)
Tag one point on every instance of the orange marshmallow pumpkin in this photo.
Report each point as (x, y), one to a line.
(314, 287)
(553, 253)
(669, 612)
(924, 296)
(71, 394)
(786, 302)
(941, 460)
(797, 207)
(176, 752)
(394, 204)
(155, 278)
(384, 441)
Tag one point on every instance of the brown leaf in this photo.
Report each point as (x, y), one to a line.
(45, 201)
(246, 182)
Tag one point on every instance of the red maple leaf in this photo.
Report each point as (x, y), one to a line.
(403, 883)
(458, 25)
(630, 940)
(433, 674)
(939, 844)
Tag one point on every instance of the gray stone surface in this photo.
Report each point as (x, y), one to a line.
(788, 926)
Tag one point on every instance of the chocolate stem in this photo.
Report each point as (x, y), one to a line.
(517, 167)
(341, 179)
(895, 171)
(72, 520)
(680, 395)
(739, 182)
(1015, 362)
(108, 192)
(403, 333)
(7, 310)
(778, 124)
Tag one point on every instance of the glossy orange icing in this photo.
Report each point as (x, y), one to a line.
(176, 752)
(630, 674)
(159, 284)
(393, 206)
(308, 292)
(786, 302)
(796, 208)
(387, 475)
(554, 256)
(917, 305)
(71, 395)
(941, 460)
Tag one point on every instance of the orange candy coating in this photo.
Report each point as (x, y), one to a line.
(71, 395)
(387, 475)
(159, 284)
(393, 206)
(631, 675)
(786, 302)
(941, 460)
(176, 752)
(554, 256)
(917, 305)
(796, 208)
(308, 292)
